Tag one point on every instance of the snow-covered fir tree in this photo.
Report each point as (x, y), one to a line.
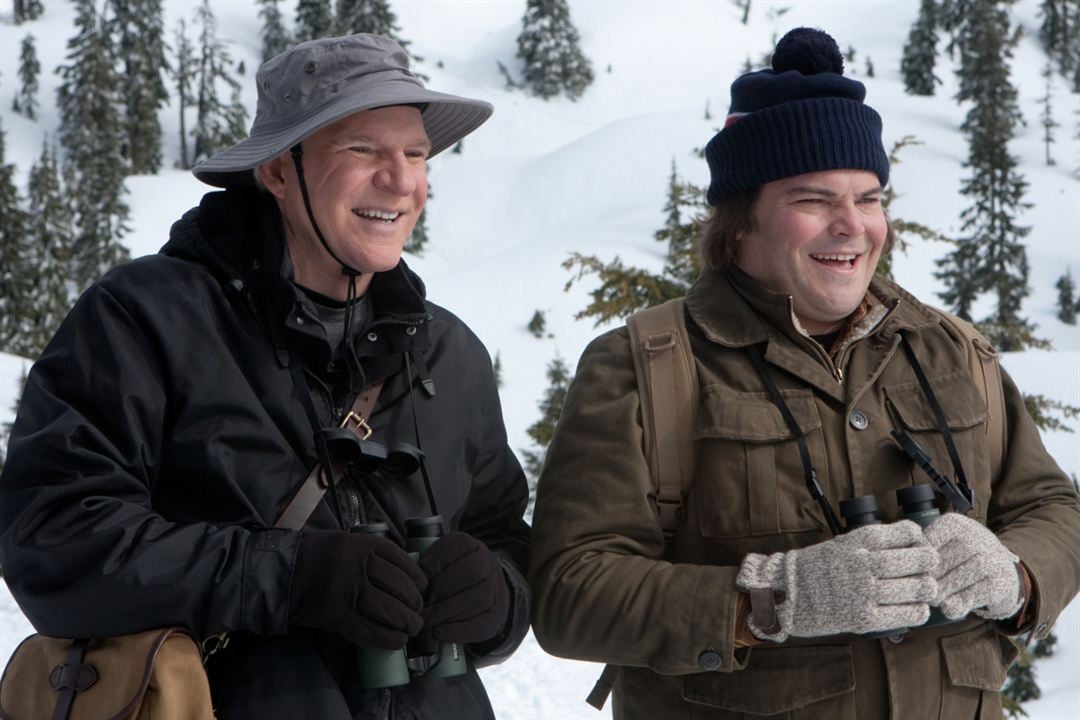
(685, 202)
(28, 10)
(1060, 33)
(25, 101)
(91, 133)
(275, 38)
(183, 74)
(1046, 117)
(920, 52)
(15, 302)
(49, 231)
(217, 125)
(418, 238)
(314, 19)
(1067, 302)
(541, 431)
(368, 16)
(549, 47)
(990, 255)
(140, 35)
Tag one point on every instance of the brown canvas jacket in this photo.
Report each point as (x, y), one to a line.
(604, 590)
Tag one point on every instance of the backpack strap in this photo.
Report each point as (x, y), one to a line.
(668, 390)
(986, 372)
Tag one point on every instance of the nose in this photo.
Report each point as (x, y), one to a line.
(846, 220)
(399, 176)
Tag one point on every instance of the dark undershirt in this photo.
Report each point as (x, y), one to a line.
(827, 340)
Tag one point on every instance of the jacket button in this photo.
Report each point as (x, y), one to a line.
(858, 419)
(709, 660)
(372, 336)
(410, 330)
(897, 638)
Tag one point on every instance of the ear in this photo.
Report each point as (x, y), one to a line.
(272, 175)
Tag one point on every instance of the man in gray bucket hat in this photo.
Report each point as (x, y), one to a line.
(278, 316)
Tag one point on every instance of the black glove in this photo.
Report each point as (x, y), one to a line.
(362, 587)
(467, 597)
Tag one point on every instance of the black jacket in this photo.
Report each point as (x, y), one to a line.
(161, 433)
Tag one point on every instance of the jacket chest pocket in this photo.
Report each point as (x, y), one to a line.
(965, 414)
(750, 478)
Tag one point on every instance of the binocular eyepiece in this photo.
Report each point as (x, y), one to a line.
(381, 668)
(344, 447)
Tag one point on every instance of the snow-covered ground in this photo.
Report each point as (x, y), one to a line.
(543, 179)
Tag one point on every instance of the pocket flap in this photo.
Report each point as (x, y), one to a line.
(975, 659)
(752, 417)
(776, 680)
(960, 400)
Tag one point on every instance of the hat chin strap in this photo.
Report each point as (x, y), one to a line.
(297, 153)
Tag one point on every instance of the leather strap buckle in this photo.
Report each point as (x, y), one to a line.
(362, 428)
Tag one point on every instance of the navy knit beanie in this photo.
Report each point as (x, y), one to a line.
(799, 117)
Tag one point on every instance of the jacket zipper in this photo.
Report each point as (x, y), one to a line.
(834, 368)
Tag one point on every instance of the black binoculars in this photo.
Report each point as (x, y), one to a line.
(381, 668)
(918, 503)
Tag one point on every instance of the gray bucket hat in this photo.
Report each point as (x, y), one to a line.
(321, 81)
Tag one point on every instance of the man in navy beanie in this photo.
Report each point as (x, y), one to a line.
(772, 544)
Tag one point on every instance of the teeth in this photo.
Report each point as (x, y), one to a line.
(378, 215)
(845, 258)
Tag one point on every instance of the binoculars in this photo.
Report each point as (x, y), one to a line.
(918, 505)
(379, 667)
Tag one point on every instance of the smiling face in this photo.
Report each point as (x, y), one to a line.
(366, 177)
(818, 238)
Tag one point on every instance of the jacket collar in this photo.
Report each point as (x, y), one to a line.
(729, 307)
(238, 235)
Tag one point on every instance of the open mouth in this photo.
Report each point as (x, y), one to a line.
(839, 261)
(384, 217)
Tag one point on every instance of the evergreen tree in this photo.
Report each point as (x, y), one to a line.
(1046, 118)
(140, 29)
(1067, 300)
(15, 300)
(920, 52)
(537, 324)
(1021, 685)
(27, 10)
(49, 232)
(314, 19)
(624, 290)
(1060, 33)
(25, 101)
(90, 133)
(275, 38)
(542, 430)
(217, 125)
(418, 238)
(548, 45)
(496, 368)
(184, 69)
(990, 256)
(680, 232)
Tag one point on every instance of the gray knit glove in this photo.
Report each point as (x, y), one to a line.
(877, 577)
(977, 572)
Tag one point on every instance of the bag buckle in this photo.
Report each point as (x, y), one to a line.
(214, 644)
(362, 428)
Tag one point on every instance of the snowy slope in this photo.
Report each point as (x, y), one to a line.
(542, 179)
